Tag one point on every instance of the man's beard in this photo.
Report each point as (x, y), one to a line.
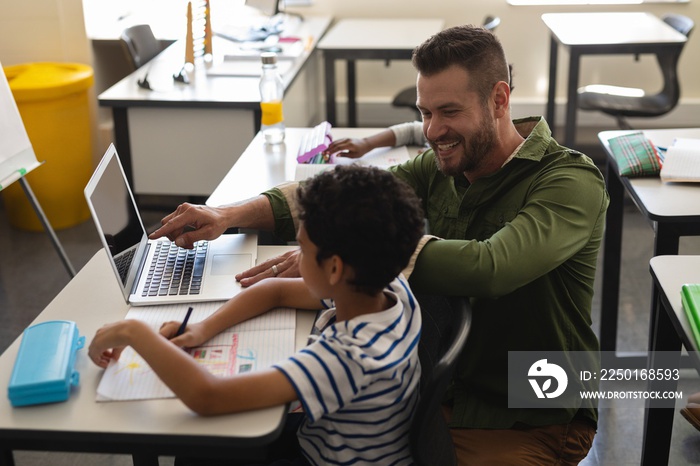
(476, 149)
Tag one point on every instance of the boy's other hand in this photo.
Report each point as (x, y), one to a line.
(349, 147)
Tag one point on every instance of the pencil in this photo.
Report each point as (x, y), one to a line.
(183, 326)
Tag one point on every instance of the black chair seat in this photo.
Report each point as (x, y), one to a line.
(616, 104)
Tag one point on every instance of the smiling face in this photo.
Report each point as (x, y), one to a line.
(458, 125)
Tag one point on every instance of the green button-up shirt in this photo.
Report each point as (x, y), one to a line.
(523, 243)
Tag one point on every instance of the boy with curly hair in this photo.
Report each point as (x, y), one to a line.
(358, 382)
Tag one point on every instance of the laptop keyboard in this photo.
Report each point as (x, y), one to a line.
(175, 270)
(123, 263)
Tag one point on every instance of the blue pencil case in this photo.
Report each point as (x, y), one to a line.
(44, 366)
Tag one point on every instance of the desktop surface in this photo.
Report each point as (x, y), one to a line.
(163, 426)
(658, 200)
(379, 34)
(262, 166)
(589, 29)
(671, 273)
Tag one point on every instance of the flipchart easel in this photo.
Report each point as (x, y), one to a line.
(17, 158)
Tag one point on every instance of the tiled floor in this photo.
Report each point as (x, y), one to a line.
(31, 275)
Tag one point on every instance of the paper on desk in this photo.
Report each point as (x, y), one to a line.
(382, 157)
(244, 67)
(252, 345)
(682, 161)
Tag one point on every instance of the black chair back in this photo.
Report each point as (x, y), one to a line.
(624, 102)
(446, 325)
(140, 45)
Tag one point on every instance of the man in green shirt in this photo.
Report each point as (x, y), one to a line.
(517, 221)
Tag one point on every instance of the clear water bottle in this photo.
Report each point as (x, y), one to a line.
(271, 94)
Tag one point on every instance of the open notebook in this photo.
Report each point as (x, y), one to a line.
(251, 345)
(681, 162)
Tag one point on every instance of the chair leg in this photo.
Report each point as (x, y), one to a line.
(623, 123)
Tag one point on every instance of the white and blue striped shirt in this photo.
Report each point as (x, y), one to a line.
(358, 384)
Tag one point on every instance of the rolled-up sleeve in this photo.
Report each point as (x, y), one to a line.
(284, 208)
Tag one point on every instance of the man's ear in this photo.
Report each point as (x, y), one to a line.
(500, 96)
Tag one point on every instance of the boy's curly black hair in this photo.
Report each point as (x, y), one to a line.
(365, 215)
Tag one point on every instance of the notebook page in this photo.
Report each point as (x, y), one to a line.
(682, 163)
(252, 345)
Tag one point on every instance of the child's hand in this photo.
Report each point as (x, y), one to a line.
(109, 341)
(191, 337)
(349, 147)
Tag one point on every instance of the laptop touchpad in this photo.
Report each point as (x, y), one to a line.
(230, 264)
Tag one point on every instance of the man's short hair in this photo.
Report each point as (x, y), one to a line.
(365, 215)
(473, 48)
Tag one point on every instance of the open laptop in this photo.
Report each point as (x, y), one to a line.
(209, 276)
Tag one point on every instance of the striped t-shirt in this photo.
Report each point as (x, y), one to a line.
(358, 384)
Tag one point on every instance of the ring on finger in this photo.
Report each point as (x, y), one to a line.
(275, 270)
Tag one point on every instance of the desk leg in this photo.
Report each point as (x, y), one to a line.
(666, 242)
(551, 93)
(612, 244)
(664, 352)
(571, 99)
(6, 458)
(145, 460)
(329, 71)
(352, 93)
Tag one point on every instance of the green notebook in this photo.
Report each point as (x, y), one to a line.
(690, 295)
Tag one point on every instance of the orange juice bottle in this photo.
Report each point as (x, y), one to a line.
(271, 94)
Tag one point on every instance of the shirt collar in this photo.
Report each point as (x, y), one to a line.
(538, 137)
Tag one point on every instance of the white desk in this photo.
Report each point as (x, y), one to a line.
(262, 167)
(672, 209)
(671, 330)
(600, 34)
(144, 429)
(368, 39)
(180, 138)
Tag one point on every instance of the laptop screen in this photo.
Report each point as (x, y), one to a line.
(114, 210)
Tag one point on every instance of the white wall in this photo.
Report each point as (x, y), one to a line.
(52, 30)
(45, 31)
(42, 30)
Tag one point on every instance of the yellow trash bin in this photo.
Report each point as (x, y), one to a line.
(53, 101)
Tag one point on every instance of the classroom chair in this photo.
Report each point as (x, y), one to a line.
(626, 102)
(446, 325)
(407, 97)
(139, 44)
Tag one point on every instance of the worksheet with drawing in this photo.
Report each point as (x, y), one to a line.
(252, 345)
